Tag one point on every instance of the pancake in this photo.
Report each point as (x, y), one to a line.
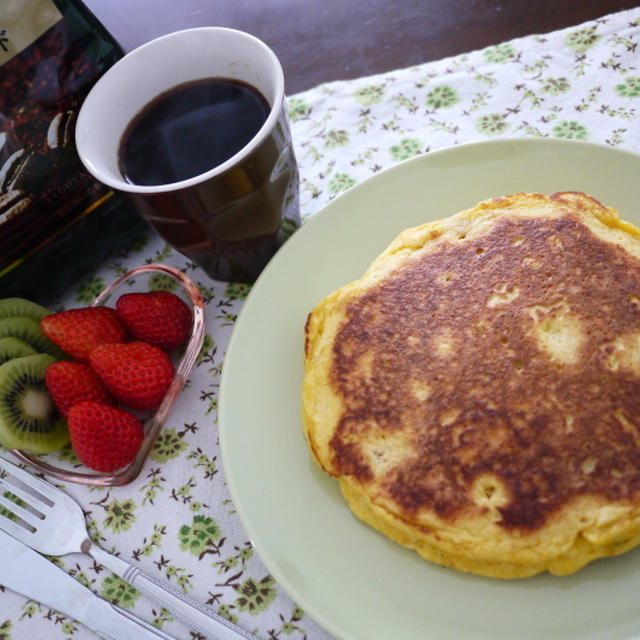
(477, 392)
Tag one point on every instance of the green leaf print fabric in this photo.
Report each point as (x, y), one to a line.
(176, 521)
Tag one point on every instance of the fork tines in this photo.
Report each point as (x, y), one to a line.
(40, 488)
(23, 504)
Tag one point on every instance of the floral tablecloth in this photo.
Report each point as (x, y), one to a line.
(177, 521)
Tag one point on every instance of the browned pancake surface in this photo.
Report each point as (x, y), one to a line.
(498, 358)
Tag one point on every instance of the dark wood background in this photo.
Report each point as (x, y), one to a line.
(322, 40)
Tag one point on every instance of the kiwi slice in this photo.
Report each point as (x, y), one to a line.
(11, 348)
(28, 329)
(11, 307)
(28, 418)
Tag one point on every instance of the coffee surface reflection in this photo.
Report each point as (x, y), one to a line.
(190, 129)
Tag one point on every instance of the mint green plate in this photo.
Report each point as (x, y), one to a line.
(353, 581)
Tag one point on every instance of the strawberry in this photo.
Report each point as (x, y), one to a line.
(103, 437)
(70, 382)
(79, 331)
(137, 373)
(156, 317)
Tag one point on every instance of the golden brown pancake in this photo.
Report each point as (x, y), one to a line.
(477, 392)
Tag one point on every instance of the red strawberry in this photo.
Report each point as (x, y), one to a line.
(103, 437)
(79, 331)
(70, 382)
(156, 317)
(137, 373)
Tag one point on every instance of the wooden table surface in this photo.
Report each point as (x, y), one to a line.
(323, 40)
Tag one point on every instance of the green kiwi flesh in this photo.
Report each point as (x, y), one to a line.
(11, 348)
(28, 418)
(28, 329)
(11, 307)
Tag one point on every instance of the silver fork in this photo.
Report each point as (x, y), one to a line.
(53, 523)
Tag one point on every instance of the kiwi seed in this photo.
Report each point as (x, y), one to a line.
(28, 417)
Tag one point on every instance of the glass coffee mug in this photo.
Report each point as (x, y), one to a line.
(233, 215)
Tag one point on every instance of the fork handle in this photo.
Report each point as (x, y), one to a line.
(192, 613)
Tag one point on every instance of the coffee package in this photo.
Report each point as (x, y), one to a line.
(56, 221)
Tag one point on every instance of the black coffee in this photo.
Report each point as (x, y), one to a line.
(190, 129)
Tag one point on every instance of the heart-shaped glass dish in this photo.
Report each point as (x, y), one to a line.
(135, 280)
